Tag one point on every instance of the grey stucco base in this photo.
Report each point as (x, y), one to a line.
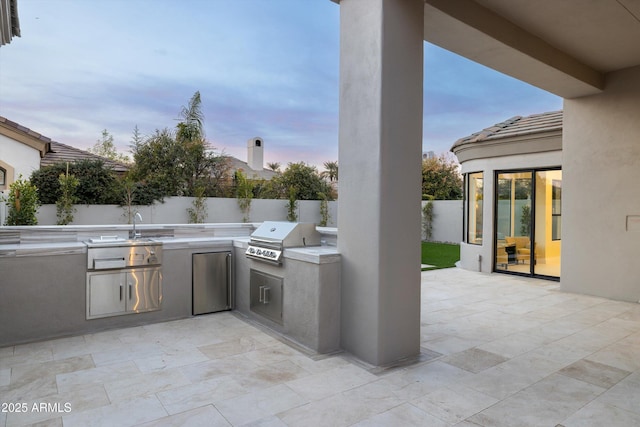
(44, 297)
(311, 299)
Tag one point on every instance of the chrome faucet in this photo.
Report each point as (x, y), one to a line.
(138, 217)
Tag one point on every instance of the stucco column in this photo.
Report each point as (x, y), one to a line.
(381, 63)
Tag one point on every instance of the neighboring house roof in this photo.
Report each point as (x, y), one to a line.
(55, 152)
(64, 153)
(51, 151)
(236, 164)
(24, 135)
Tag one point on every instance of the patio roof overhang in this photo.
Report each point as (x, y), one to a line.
(9, 22)
(564, 47)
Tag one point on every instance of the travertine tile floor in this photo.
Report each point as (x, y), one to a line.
(497, 351)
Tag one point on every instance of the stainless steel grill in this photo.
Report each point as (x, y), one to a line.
(272, 237)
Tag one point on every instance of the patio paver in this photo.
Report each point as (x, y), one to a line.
(497, 350)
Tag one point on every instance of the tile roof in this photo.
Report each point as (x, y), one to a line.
(235, 164)
(64, 153)
(515, 127)
(56, 152)
(24, 130)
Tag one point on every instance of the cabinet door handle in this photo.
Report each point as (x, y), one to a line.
(120, 292)
(230, 290)
(261, 295)
(267, 294)
(130, 291)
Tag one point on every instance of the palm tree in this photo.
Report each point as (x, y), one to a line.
(331, 171)
(198, 161)
(191, 128)
(275, 166)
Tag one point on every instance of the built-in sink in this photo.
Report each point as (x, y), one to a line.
(120, 241)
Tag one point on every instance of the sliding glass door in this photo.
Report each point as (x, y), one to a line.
(528, 222)
(548, 223)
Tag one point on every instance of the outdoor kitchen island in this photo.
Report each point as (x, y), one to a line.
(294, 288)
(44, 271)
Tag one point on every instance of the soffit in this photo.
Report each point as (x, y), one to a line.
(601, 34)
(565, 47)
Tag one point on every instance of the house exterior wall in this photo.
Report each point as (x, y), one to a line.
(18, 156)
(470, 253)
(601, 189)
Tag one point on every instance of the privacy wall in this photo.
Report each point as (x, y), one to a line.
(447, 214)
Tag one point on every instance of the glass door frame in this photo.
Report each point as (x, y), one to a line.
(532, 225)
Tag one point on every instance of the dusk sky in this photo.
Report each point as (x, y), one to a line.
(266, 68)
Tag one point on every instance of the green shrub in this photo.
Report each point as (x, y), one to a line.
(65, 203)
(427, 220)
(23, 203)
(98, 185)
(292, 206)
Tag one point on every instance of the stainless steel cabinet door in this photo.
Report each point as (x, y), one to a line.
(105, 294)
(144, 286)
(265, 294)
(211, 282)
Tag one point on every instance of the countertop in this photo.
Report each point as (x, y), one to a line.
(69, 240)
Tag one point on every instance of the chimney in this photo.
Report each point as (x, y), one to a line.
(255, 153)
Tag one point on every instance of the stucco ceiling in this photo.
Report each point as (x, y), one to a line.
(604, 34)
(565, 47)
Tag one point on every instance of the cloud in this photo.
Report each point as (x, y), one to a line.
(263, 68)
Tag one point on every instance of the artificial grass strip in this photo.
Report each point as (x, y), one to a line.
(440, 255)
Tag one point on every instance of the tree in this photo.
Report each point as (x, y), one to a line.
(181, 162)
(136, 138)
(159, 164)
(292, 205)
(275, 166)
(23, 203)
(106, 148)
(441, 179)
(303, 180)
(325, 216)
(65, 203)
(331, 171)
(198, 210)
(244, 194)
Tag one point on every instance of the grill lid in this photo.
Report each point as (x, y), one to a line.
(286, 234)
